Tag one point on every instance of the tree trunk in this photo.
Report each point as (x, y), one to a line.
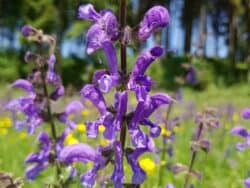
(188, 36)
(232, 40)
(167, 30)
(202, 31)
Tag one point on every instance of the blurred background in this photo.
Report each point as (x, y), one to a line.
(212, 35)
(207, 63)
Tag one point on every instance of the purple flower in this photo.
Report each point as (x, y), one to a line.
(83, 153)
(51, 76)
(24, 84)
(191, 76)
(40, 159)
(88, 178)
(247, 183)
(169, 185)
(121, 106)
(143, 110)
(106, 20)
(246, 113)
(79, 152)
(237, 130)
(155, 18)
(28, 30)
(59, 92)
(72, 108)
(30, 109)
(118, 173)
(137, 77)
(138, 173)
(88, 12)
(105, 28)
(91, 93)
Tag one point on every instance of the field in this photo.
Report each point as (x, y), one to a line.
(222, 167)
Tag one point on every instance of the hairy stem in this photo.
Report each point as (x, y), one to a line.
(193, 157)
(50, 117)
(123, 62)
(123, 44)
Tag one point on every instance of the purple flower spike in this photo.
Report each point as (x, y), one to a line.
(121, 109)
(88, 12)
(247, 183)
(246, 113)
(91, 93)
(79, 152)
(28, 30)
(118, 173)
(24, 84)
(41, 159)
(155, 18)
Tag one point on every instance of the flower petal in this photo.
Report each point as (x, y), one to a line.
(79, 152)
(91, 93)
(88, 12)
(155, 18)
(246, 113)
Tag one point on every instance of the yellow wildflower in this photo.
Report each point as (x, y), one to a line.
(101, 128)
(165, 132)
(85, 112)
(70, 139)
(3, 131)
(235, 117)
(5, 122)
(148, 165)
(22, 135)
(81, 127)
(104, 142)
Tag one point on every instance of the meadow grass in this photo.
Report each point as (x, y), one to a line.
(223, 167)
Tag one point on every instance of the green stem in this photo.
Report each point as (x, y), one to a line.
(50, 118)
(123, 54)
(193, 157)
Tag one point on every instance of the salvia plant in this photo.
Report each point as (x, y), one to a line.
(123, 128)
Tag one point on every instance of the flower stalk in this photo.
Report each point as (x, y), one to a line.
(193, 157)
(50, 119)
(123, 54)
